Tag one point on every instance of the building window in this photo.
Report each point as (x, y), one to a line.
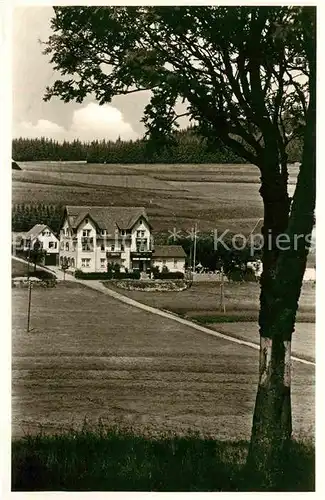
(138, 234)
(103, 232)
(86, 247)
(72, 262)
(102, 247)
(86, 232)
(52, 244)
(123, 232)
(85, 262)
(112, 248)
(86, 221)
(142, 234)
(122, 248)
(67, 247)
(62, 246)
(175, 262)
(102, 262)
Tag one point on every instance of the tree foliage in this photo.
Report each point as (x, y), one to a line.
(240, 71)
(36, 253)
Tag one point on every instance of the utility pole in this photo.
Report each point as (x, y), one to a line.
(222, 292)
(194, 250)
(29, 304)
(28, 259)
(257, 223)
(190, 263)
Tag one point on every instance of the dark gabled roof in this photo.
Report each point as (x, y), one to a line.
(109, 218)
(168, 251)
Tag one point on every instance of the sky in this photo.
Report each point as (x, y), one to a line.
(32, 72)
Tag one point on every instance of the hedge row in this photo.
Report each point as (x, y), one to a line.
(169, 275)
(135, 275)
(106, 276)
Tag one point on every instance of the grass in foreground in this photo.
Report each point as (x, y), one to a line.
(113, 460)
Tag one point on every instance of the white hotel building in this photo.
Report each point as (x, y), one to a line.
(91, 237)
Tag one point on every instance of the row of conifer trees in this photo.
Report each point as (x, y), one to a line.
(188, 148)
(26, 215)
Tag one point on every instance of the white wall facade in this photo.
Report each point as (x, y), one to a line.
(174, 264)
(48, 240)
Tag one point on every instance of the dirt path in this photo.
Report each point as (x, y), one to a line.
(230, 336)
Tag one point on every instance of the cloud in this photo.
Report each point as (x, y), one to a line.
(43, 128)
(88, 123)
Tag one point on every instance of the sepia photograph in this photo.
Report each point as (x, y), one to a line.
(163, 248)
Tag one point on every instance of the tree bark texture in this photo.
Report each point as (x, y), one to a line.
(281, 282)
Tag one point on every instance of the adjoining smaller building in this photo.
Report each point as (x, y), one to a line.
(171, 257)
(49, 243)
(18, 241)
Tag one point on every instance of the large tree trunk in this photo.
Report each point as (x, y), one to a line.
(281, 286)
(272, 415)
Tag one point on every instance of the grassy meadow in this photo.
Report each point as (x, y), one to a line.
(201, 303)
(203, 299)
(90, 356)
(122, 461)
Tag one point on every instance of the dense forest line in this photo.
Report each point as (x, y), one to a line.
(25, 216)
(188, 148)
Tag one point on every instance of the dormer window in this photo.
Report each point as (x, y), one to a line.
(103, 231)
(86, 221)
(123, 232)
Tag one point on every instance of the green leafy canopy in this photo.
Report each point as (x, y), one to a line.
(242, 72)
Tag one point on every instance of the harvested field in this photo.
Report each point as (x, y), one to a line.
(174, 195)
(90, 356)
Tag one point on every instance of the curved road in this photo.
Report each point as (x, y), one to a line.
(127, 365)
